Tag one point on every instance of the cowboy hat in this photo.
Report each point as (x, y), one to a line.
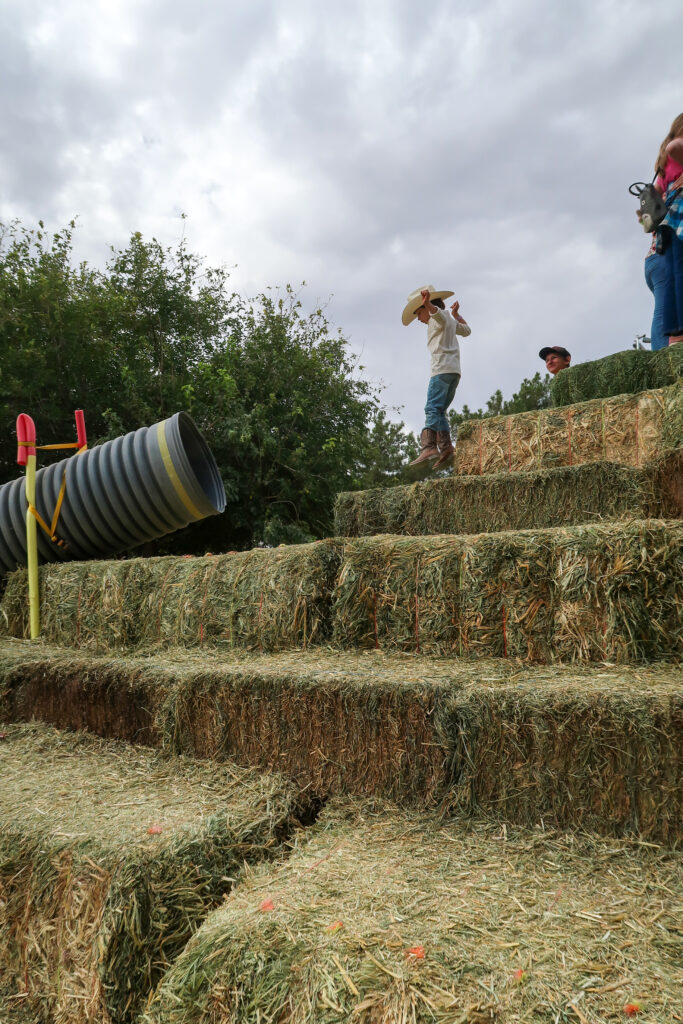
(415, 301)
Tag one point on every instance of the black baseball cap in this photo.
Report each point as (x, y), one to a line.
(545, 352)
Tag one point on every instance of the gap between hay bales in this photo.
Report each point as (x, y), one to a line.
(381, 915)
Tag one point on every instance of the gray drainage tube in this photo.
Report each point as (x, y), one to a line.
(119, 494)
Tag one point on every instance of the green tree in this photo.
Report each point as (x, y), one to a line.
(121, 343)
(50, 354)
(380, 467)
(164, 315)
(291, 422)
(283, 405)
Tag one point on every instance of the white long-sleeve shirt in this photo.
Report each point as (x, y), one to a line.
(442, 341)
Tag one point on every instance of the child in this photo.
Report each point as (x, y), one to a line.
(426, 305)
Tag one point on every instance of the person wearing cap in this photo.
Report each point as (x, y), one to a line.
(556, 358)
(427, 306)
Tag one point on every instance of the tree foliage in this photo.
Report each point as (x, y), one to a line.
(276, 392)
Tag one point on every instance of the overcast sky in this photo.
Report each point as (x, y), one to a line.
(367, 148)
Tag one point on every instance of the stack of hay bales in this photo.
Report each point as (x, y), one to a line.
(501, 644)
(570, 563)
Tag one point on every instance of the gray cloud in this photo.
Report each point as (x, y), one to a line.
(365, 148)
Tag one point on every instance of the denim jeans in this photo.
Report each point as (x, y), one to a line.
(672, 303)
(655, 278)
(440, 394)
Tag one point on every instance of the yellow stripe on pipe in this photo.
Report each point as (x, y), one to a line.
(173, 476)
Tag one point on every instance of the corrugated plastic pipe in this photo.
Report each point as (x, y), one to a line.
(136, 488)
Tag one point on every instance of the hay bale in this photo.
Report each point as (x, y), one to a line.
(626, 429)
(621, 373)
(592, 746)
(601, 751)
(13, 1010)
(335, 722)
(95, 905)
(585, 593)
(596, 748)
(263, 599)
(502, 501)
(395, 917)
(111, 697)
(667, 477)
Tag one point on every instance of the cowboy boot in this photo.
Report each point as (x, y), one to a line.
(445, 446)
(428, 453)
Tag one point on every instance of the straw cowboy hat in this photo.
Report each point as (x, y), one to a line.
(415, 301)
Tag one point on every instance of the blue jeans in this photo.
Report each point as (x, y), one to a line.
(655, 278)
(440, 394)
(672, 303)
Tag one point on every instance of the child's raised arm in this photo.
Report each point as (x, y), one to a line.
(427, 303)
(456, 315)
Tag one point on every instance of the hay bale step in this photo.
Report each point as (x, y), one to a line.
(268, 599)
(583, 593)
(395, 917)
(591, 746)
(565, 496)
(629, 429)
(621, 373)
(110, 858)
(610, 592)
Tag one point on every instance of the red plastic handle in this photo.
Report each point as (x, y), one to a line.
(26, 436)
(80, 428)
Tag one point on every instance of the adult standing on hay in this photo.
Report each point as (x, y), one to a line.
(669, 170)
(427, 306)
(655, 279)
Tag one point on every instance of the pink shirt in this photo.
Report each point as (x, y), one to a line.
(671, 171)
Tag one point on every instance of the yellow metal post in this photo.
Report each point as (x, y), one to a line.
(32, 549)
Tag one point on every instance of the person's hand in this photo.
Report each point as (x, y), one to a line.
(425, 296)
(456, 315)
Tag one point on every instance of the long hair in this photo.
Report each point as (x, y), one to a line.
(676, 132)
